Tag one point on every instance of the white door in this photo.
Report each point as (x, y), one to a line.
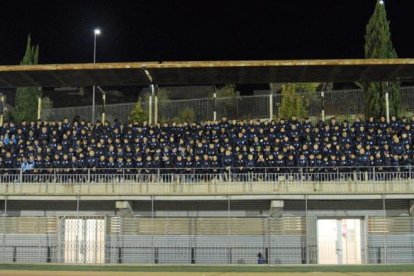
(339, 241)
(84, 240)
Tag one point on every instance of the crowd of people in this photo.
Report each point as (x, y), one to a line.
(277, 146)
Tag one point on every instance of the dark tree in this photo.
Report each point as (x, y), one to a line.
(27, 97)
(378, 44)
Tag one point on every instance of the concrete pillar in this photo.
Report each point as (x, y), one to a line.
(124, 208)
(39, 107)
(215, 107)
(276, 208)
(411, 207)
(271, 106)
(387, 107)
(150, 110)
(323, 106)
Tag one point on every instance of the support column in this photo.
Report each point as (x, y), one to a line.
(387, 107)
(39, 107)
(3, 107)
(411, 208)
(271, 106)
(124, 208)
(93, 103)
(155, 104)
(103, 107)
(323, 106)
(215, 107)
(276, 208)
(150, 110)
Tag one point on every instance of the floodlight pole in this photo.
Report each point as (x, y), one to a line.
(96, 32)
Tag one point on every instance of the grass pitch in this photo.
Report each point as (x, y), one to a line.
(200, 269)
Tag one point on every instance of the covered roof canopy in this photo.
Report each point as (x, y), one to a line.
(206, 72)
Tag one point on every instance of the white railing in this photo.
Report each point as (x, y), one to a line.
(193, 175)
(208, 181)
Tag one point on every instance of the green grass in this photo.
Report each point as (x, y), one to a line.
(204, 268)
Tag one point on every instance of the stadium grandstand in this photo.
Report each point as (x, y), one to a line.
(276, 191)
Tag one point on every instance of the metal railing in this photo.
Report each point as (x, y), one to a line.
(366, 180)
(194, 175)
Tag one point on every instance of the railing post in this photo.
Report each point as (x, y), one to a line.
(194, 176)
(337, 174)
(374, 177)
(158, 175)
(301, 173)
(89, 175)
(21, 175)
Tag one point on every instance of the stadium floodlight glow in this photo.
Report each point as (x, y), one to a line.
(381, 2)
(97, 31)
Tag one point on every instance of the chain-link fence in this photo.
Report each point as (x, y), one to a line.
(345, 104)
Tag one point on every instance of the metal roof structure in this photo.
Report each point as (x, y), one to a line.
(206, 72)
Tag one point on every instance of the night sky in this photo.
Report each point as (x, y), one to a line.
(196, 30)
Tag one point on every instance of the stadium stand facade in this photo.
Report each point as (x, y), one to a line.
(296, 192)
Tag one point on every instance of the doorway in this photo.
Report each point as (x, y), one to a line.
(339, 241)
(84, 240)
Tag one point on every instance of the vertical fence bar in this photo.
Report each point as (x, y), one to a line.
(4, 229)
(385, 228)
(152, 229)
(228, 229)
(77, 229)
(306, 229)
